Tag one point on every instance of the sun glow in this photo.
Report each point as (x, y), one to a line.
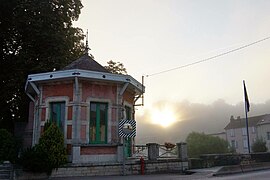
(164, 117)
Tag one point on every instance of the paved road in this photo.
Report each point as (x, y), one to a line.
(258, 175)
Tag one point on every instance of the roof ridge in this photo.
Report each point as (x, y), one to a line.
(238, 123)
(85, 62)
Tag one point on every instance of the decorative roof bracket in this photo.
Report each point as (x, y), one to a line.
(31, 97)
(34, 87)
(123, 89)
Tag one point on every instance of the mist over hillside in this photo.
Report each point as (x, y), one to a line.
(193, 117)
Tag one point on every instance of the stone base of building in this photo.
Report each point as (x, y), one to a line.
(132, 167)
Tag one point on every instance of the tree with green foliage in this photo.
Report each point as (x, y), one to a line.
(8, 148)
(259, 146)
(116, 67)
(51, 143)
(200, 143)
(35, 36)
(48, 154)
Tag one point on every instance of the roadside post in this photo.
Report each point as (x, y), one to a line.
(126, 129)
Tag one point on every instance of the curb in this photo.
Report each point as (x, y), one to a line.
(226, 170)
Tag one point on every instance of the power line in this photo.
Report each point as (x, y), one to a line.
(210, 58)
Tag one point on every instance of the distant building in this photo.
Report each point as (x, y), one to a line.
(263, 130)
(236, 132)
(221, 135)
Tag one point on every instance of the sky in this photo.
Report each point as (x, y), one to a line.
(150, 36)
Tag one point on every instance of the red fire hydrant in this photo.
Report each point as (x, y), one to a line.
(142, 165)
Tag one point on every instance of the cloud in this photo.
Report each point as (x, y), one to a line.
(192, 117)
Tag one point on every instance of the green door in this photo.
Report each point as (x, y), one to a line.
(128, 144)
(127, 147)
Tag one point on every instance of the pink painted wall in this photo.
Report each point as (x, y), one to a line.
(95, 90)
(98, 150)
(58, 89)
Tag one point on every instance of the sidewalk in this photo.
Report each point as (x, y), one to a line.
(207, 172)
(233, 169)
(242, 168)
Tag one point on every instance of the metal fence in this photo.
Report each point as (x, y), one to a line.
(167, 152)
(164, 152)
(140, 151)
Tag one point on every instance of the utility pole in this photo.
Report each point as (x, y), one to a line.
(246, 110)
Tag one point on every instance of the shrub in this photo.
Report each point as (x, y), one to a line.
(52, 144)
(47, 125)
(8, 148)
(33, 160)
(259, 146)
(48, 154)
(200, 143)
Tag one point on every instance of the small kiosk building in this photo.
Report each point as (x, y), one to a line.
(87, 102)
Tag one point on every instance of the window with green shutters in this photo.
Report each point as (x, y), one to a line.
(57, 114)
(98, 123)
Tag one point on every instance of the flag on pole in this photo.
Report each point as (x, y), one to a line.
(246, 97)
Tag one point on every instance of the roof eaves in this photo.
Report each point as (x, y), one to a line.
(100, 76)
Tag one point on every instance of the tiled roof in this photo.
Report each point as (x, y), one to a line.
(216, 134)
(241, 122)
(265, 120)
(86, 63)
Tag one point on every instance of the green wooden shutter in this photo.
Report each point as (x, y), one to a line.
(98, 123)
